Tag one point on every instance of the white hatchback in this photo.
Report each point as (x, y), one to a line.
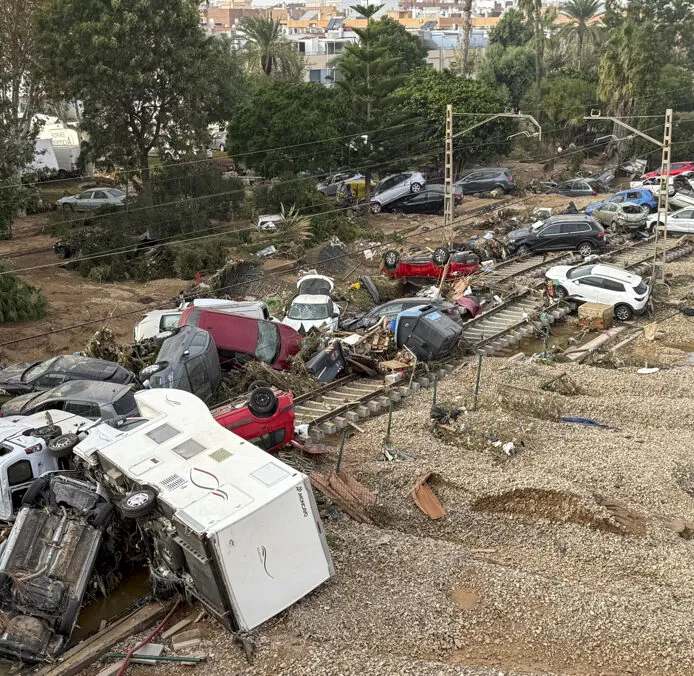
(626, 292)
(313, 307)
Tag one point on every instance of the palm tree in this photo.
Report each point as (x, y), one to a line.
(533, 10)
(268, 51)
(581, 29)
(467, 31)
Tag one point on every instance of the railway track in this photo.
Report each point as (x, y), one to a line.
(345, 402)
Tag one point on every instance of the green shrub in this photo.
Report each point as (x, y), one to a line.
(19, 301)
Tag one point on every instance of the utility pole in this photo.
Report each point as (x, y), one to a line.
(448, 176)
(664, 186)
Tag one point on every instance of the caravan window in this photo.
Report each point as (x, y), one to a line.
(163, 433)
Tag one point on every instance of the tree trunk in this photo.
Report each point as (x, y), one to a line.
(539, 37)
(467, 31)
(143, 157)
(580, 48)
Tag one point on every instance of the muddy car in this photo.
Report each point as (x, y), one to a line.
(47, 563)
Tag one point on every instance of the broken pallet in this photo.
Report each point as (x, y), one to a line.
(346, 492)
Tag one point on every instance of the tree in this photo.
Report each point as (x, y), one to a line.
(142, 70)
(426, 94)
(19, 96)
(283, 126)
(268, 52)
(365, 74)
(399, 43)
(510, 70)
(513, 30)
(467, 33)
(581, 28)
(533, 11)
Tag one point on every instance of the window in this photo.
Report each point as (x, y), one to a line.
(592, 281)
(188, 449)
(125, 404)
(617, 199)
(36, 371)
(608, 207)
(19, 473)
(580, 271)
(163, 433)
(641, 288)
(168, 322)
(197, 376)
(572, 228)
(314, 75)
(49, 380)
(269, 440)
(552, 229)
(611, 285)
(100, 195)
(84, 196)
(83, 408)
(389, 310)
(309, 311)
(633, 196)
(687, 213)
(268, 347)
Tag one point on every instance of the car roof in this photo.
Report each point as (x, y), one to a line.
(564, 218)
(174, 346)
(615, 273)
(86, 390)
(86, 366)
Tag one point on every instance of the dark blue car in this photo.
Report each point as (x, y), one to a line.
(641, 197)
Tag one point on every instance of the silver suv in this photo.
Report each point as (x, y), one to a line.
(394, 187)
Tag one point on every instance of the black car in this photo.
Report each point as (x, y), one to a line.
(187, 360)
(559, 233)
(428, 201)
(485, 180)
(87, 398)
(37, 375)
(393, 308)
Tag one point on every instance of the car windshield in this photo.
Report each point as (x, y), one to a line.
(580, 271)
(309, 311)
(267, 348)
(36, 371)
(537, 225)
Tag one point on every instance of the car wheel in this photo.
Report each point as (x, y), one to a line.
(376, 208)
(440, 256)
(170, 553)
(262, 402)
(138, 504)
(34, 492)
(623, 313)
(560, 292)
(523, 250)
(585, 249)
(256, 384)
(47, 432)
(391, 259)
(61, 447)
(416, 187)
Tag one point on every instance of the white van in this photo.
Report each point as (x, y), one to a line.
(160, 323)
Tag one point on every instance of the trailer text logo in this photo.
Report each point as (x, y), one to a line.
(302, 500)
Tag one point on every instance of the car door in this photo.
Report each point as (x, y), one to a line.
(606, 213)
(83, 201)
(49, 380)
(472, 182)
(589, 289)
(613, 292)
(99, 198)
(86, 409)
(549, 239)
(19, 477)
(681, 221)
(617, 199)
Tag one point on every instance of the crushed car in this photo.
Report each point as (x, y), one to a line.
(390, 310)
(313, 307)
(422, 266)
(426, 332)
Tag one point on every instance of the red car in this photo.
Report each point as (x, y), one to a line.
(265, 417)
(676, 168)
(431, 266)
(240, 339)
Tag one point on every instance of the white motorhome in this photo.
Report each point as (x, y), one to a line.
(66, 146)
(235, 526)
(45, 162)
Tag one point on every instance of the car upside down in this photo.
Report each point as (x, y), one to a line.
(422, 265)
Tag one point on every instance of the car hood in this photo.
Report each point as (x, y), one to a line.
(558, 272)
(16, 405)
(520, 234)
(12, 375)
(66, 199)
(304, 325)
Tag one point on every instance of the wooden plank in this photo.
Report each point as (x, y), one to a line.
(91, 649)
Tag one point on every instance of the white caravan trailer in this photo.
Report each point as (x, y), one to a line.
(238, 528)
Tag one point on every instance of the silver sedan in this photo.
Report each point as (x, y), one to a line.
(93, 199)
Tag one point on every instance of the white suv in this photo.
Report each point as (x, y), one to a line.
(626, 292)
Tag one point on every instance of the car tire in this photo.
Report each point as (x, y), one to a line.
(34, 492)
(138, 504)
(262, 402)
(623, 313)
(170, 552)
(222, 148)
(440, 256)
(523, 251)
(585, 249)
(256, 384)
(376, 208)
(103, 516)
(416, 187)
(61, 447)
(47, 432)
(69, 618)
(560, 292)
(391, 259)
